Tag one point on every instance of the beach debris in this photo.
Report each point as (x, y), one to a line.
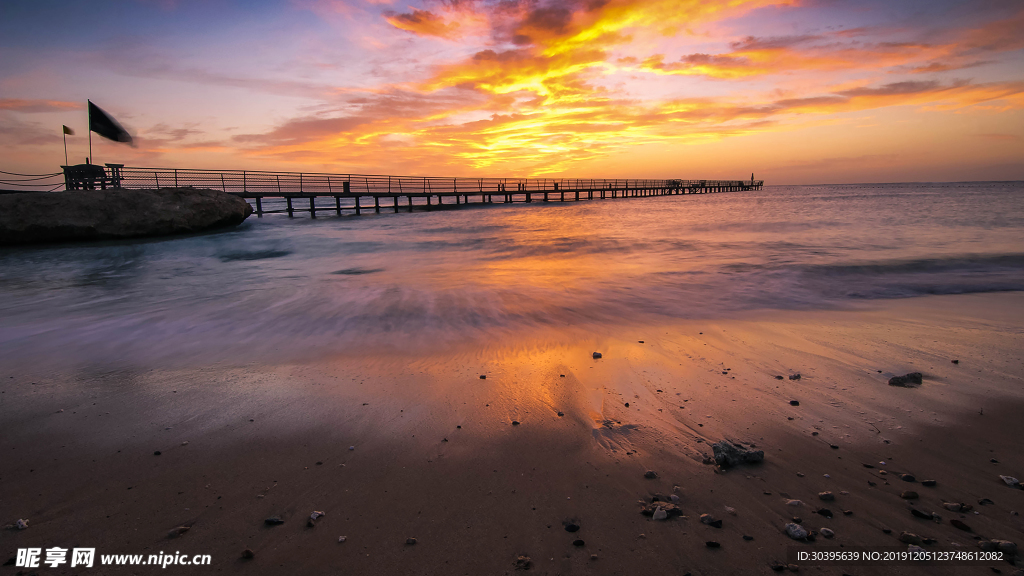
(906, 379)
(910, 538)
(597, 355)
(314, 516)
(578, 543)
(248, 554)
(794, 402)
(410, 541)
(796, 531)
(728, 454)
(794, 376)
(1010, 481)
(175, 532)
(794, 503)
(826, 496)
(957, 506)
(572, 527)
(908, 478)
(710, 521)
(824, 512)
(650, 474)
(929, 483)
(670, 509)
(712, 544)
(660, 514)
(594, 556)
(342, 539)
(730, 510)
(827, 533)
(523, 563)
(21, 524)
(273, 521)
(960, 525)
(909, 495)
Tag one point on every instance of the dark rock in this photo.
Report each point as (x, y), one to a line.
(955, 361)
(483, 376)
(960, 525)
(650, 474)
(906, 379)
(886, 531)
(909, 495)
(728, 454)
(748, 538)
(410, 541)
(627, 404)
(833, 446)
(115, 214)
(777, 566)
(910, 538)
(669, 508)
(515, 422)
(571, 527)
(825, 512)
(712, 544)
(273, 521)
(597, 355)
(794, 402)
(847, 512)
(796, 531)
(984, 501)
(867, 465)
(578, 543)
(918, 514)
(929, 483)
(523, 563)
(248, 554)
(710, 521)
(778, 377)
(640, 341)
(993, 460)
(794, 376)
(157, 453)
(908, 478)
(561, 413)
(826, 496)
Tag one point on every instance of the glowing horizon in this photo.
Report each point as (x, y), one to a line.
(796, 91)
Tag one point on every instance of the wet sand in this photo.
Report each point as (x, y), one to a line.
(436, 455)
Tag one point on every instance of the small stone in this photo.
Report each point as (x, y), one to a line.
(597, 355)
(728, 454)
(911, 378)
(578, 543)
(710, 521)
(248, 554)
(157, 453)
(175, 532)
(993, 461)
(908, 478)
(650, 474)
(847, 512)
(955, 361)
(796, 531)
(984, 501)
(627, 404)
(825, 512)
(833, 446)
(909, 495)
(779, 377)
(909, 538)
(1010, 481)
(915, 549)
(794, 376)
(21, 524)
(523, 563)
(867, 465)
(929, 483)
(594, 556)
(674, 497)
(483, 376)
(351, 447)
(793, 567)
(640, 341)
(273, 521)
(515, 422)
(794, 503)
(572, 527)
(886, 531)
(919, 514)
(561, 414)
(794, 402)
(960, 525)
(730, 510)
(410, 541)
(342, 539)
(185, 443)
(748, 538)
(827, 533)
(799, 474)
(826, 496)
(1006, 547)
(660, 514)
(712, 544)
(777, 566)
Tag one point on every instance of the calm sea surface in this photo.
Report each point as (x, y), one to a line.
(277, 287)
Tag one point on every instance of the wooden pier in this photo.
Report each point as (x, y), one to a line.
(357, 193)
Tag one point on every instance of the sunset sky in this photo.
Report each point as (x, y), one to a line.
(799, 91)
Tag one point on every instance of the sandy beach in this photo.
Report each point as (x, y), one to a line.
(482, 471)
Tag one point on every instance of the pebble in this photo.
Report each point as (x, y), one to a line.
(909, 495)
(572, 527)
(748, 538)
(351, 447)
(960, 525)
(523, 562)
(157, 453)
(911, 378)
(919, 514)
(1010, 481)
(955, 361)
(909, 538)
(21, 524)
(674, 498)
(483, 376)
(597, 355)
(730, 510)
(578, 543)
(826, 496)
(660, 514)
(175, 532)
(650, 474)
(273, 521)
(794, 402)
(410, 541)
(825, 512)
(794, 503)
(929, 483)
(827, 533)
(908, 478)
(515, 422)
(342, 539)
(712, 544)
(710, 521)
(796, 531)
(248, 554)
(594, 556)
(561, 413)
(794, 376)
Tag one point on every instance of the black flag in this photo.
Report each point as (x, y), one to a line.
(103, 124)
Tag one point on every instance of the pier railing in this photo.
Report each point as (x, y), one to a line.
(277, 183)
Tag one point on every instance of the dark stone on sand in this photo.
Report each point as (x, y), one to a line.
(410, 541)
(778, 377)
(955, 361)
(248, 554)
(993, 460)
(627, 404)
(157, 453)
(911, 378)
(794, 402)
(561, 413)
(929, 483)
(597, 355)
(273, 521)
(825, 512)
(867, 465)
(515, 422)
(578, 543)
(748, 538)
(918, 514)
(847, 512)
(650, 474)
(909, 495)
(908, 478)
(572, 527)
(777, 566)
(960, 525)
(826, 496)
(886, 531)
(984, 501)
(523, 563)
(669, 508)
(640, 341)
(710, 521)
(728, 454)
(794, 376)
(833, 446)
(483, 376)
(35, 217)
(712, 544)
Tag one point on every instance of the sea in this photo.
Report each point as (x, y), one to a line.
(281, 288)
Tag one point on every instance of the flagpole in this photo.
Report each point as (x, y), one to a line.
(89, 112)
(65, 134)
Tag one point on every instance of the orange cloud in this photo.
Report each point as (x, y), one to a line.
(20, 105)
(423, 23)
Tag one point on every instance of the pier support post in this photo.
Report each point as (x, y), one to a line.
(337, 204)
(289, 199)
(376, 204)
(357, 205)
(259, 207)
(312, 207)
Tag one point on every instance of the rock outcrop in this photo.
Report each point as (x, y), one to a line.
(35, 217)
